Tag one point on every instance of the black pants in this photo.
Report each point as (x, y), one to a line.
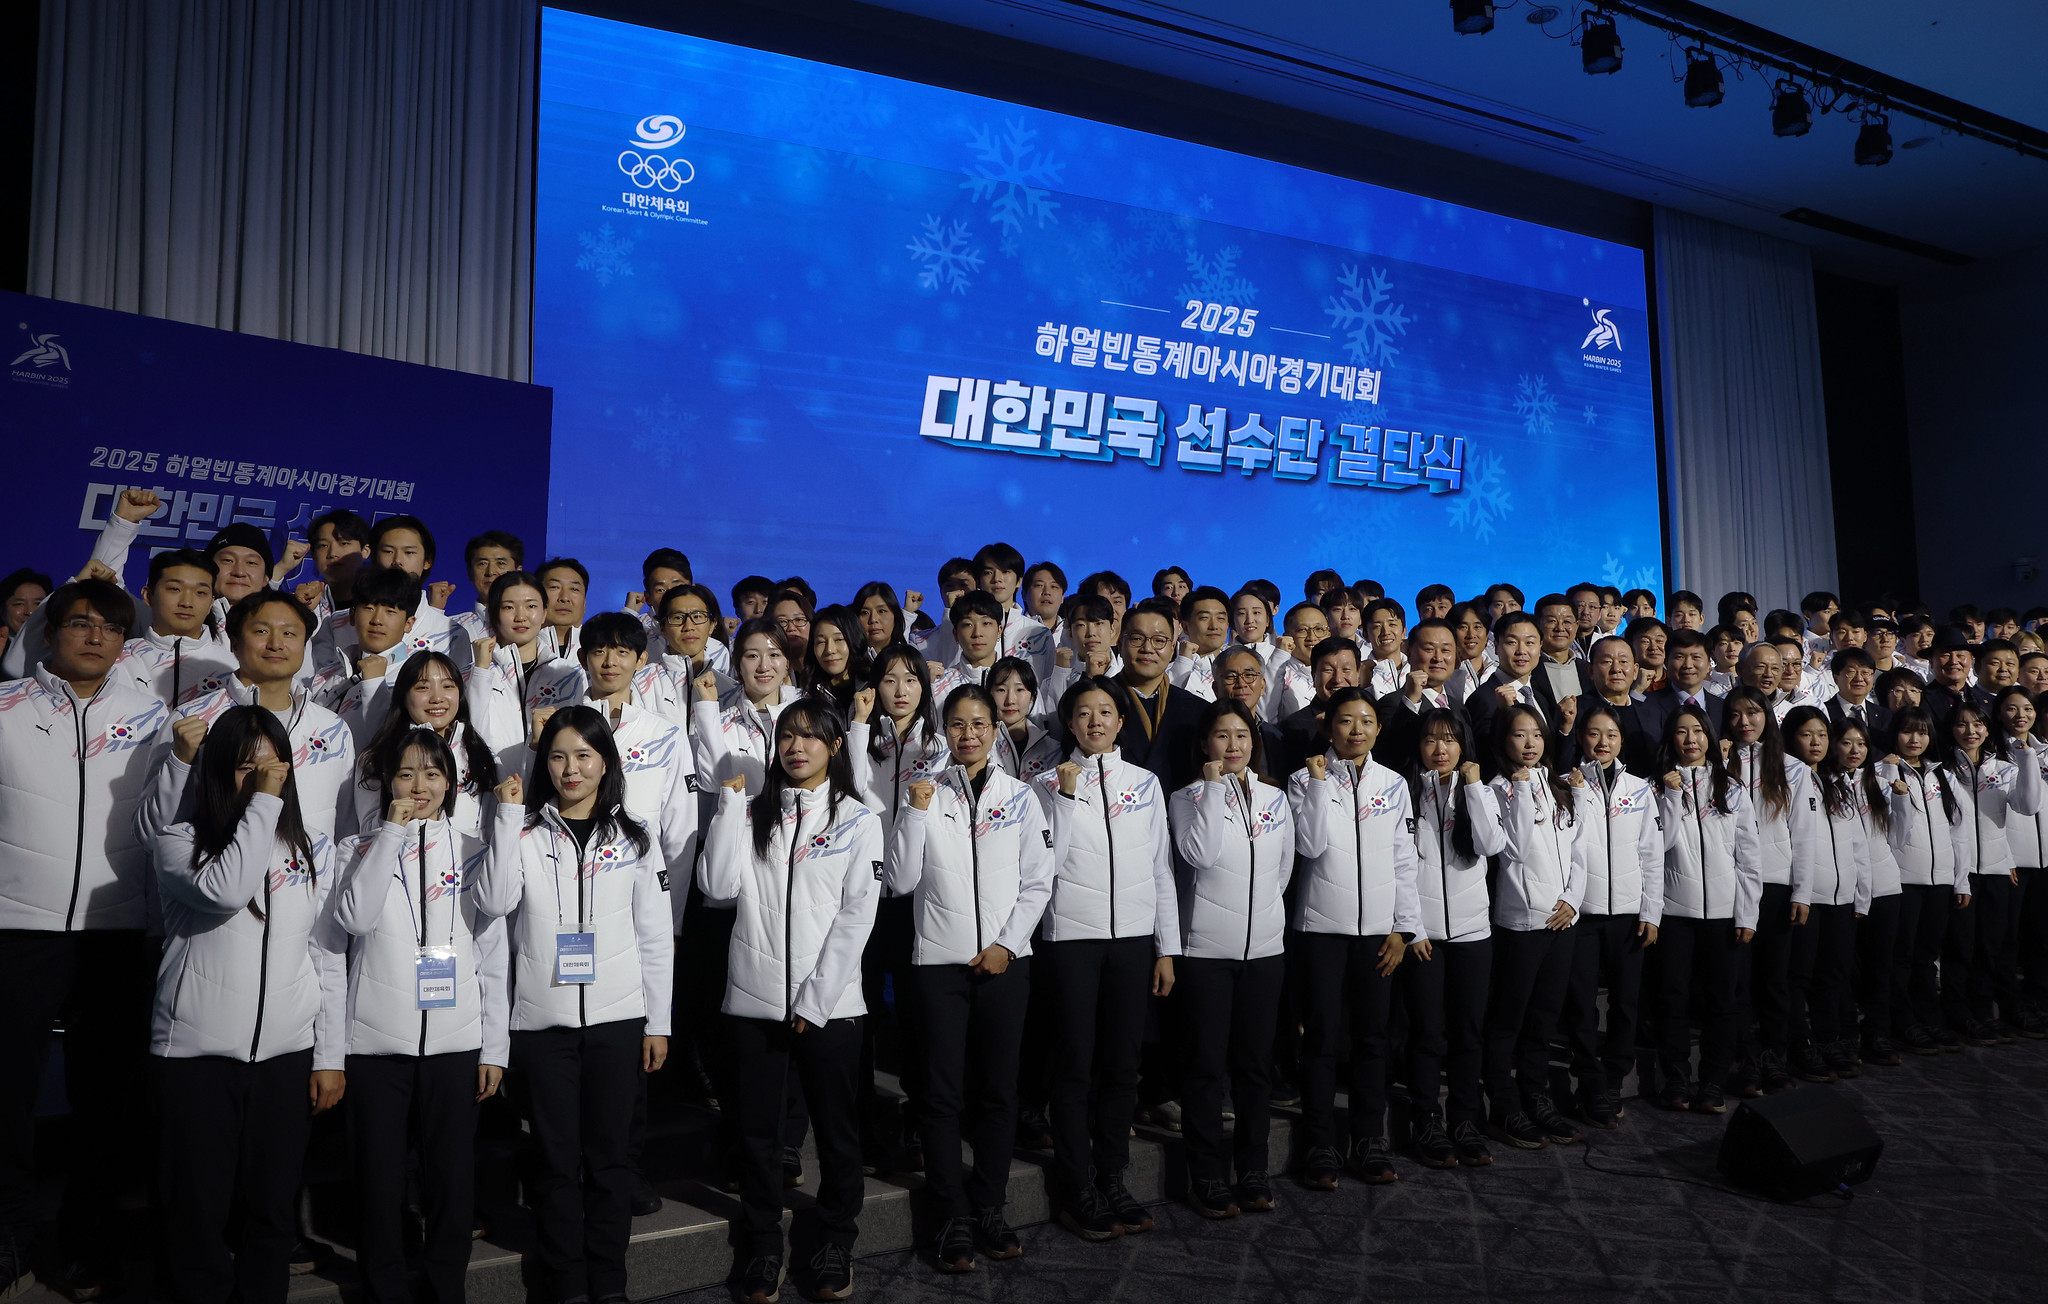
(1994, 975)
(886, 986)
(1923, 926)
(233, 1142)
(1445, 999)
(1339, 976)
(1228, 1008)
(2031, 937)
(973, 1027)
(1822, 953)
(766, 1054)
(1698, 969)
(387, 1095)
(1530, 972)
(101, 983)
(1763, 979)
(1877, 940)
(579, 1086)
(1958, 956)
(1607, 951)
(1099, 991)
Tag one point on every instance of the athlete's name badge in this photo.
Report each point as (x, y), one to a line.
(575, 958)
(434, 978)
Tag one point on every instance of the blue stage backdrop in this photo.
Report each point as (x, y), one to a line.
(801, 318)
(229, 427)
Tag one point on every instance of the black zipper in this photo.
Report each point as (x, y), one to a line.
(1834, 851)
(1251, 872)
(789, 912)
(974, 853)
(1445, 813)
(1607, 801)
(1109, 839)
(423, 928)
(583, 989)
(1699, 819)
(1357, 843)
(262, 971)
(78, 713)
(177, 668)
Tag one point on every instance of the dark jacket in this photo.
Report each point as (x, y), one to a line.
(1169, 753)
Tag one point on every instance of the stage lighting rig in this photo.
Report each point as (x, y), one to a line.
(1874, 142)
(1471, 17)
(1790, 113)
(1702, 80)
(1599, 43)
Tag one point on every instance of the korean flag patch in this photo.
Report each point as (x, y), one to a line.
(878, 871)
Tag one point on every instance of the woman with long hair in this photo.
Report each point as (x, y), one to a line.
(839, 656)
(1927, 824)
(508, 666)
(428, 695)
(1994, 788)
(729, 741)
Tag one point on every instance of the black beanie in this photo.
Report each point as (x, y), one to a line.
(242, 535)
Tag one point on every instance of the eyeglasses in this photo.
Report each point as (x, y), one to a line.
(686, 619)
(1157, 643)
(80, 627)
(793, 622)
(1240, 677)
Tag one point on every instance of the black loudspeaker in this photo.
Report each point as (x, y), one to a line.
(1802, 1143)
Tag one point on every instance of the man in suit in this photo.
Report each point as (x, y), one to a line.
(1687, 663)
(1160, 734)
(1613, 671)
(1953, 658)
(1855, 672)
(1432, 657)
(1520, 679)
(1332, 665)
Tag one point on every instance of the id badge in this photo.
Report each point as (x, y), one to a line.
(575, 958)
(434, 978)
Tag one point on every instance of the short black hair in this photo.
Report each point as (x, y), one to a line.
(1679, 638)
(1059, 576)
(1779, 620)
(345, 524)
(750, 586)
(1117, 583)
(1091, 607)
(1160, 576)
(495, 539)
(958, 566)
(1207, 593)
(1369, 589)
(1431, 592)
(1377, 605)
(103, 596)
(1818, 600)
(669, 558)
(1001, 556)
(1508, 589)
(251, 603)
(1317, 582)
(612, 629)
(385, 586)
(1334, 645)
(1851, 656)
(1628, 598)
(190, 558)
(974, 602)
(403, 522)
(1583, 586)
(563, 563)
(1159, 607)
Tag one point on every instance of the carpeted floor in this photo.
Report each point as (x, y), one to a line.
(1958, 1211)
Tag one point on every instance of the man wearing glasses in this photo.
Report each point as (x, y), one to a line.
(75, 745)
(684, 619)
(1241, 674)
(1159, 734)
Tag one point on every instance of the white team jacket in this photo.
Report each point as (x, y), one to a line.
(67, 766)
(1540, 865)
(1925, 840)
(1356, 869)
(502, 696)
(2027, 834)
(1235, 857)
(323, 757)
(805, 908)
(170, 668)
(979, 867)
(1112, 854)
(411, 886)
(1452, 888)
(466, 800)
(1712, 866)
(1993, 790)
(1788, 843)
(1041, 752)
(240, 985)
(1841, 867)
(729, 741)
(1621, 846)
(1884, 879)
(533, 876)
(884, 784)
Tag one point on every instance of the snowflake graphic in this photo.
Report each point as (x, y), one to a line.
(945, 256)
(664, 430)
(1015, 177)
(1484, 501)
(1649, 577)
(1207, 204)
(1535, 404)
(604, 255)
(1592, 417)
(1217, 280)
(1612, 571)
(1366, 312)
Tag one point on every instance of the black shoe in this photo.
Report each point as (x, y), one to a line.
(1282, 1091)
(1086, 1214)
(955, 1249)
(1948, 1039)
(1772, 1073)
(1746, 1081)
(1210, 1198)
(1601, 1109)
(80, 1283)
(1255, 1193)
(305, 1256)
(1034, 1131)
(1709, 1099)
(831, 1272)
(2003, 1033)
(1125, 1205)
(1674, 1095)
(1372, 1161)
(1319, 1169)
(1978, 1033)
(792, 1167)
(1518, 1130)
(2031, 1025)
(642, 1198)
(1556, 1128)
(1841, 1058)
(1811, 1065)
(994, 1236)
(1920, 1041)
(1880, 1052)
(1471, 1147)
(1433, 1144)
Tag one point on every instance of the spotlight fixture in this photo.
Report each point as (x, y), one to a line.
(1790, 115)
(1874, 142)
(1600, 46)
(1702, 80)
(1471, 17)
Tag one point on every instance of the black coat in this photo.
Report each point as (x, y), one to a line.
(1401, 731)
(1665, 702)
(1170, 752)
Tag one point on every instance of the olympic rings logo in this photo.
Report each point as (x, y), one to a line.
(657, 131)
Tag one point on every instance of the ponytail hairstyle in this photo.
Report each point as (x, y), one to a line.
(1773, 789)
(2011, 747)
(388, 757)
(1438, 720)
(612, 819)
(1918, 717)
(1667, 757)
(925, 718)
(1216, 710)
(1560, 786)
(219, 800)
(807, 717)
(483, 767)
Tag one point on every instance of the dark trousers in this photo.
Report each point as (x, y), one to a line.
(1099, 992)
(1607, 951)
(579, 1085)
(387, 1095)
(1763, 979)
(1994, 975)
(1877, 940)
(2031, 937)
(1822, 953)
(1445, 1000)
(1530, 972)
(891, 996)
(101, 983)
(233, 1142)
(1923, 926)
(766, 1054)
(1958, 955)
(973, 1026)
(1697, 964)
(1338, 976)
(1228, 1008)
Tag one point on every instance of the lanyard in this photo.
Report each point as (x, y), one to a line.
(419, 921)
(555, 864)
